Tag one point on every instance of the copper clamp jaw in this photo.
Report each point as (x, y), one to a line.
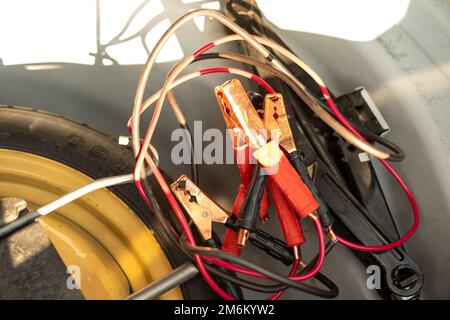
(240, 114)
(276, 121)
(200, 208)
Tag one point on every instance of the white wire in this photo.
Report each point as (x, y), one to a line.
(78, 193)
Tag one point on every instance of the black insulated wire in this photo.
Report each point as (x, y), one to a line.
(19, 223)
(329, 294)
(216, 271)
(194, 166)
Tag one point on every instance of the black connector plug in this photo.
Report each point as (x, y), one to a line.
(274, 247)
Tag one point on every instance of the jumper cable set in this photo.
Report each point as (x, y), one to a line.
(272, 167)
(289, 184)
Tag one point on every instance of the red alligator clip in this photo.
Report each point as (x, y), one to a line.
(290, 226)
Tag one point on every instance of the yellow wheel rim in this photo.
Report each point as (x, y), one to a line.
(113, 249)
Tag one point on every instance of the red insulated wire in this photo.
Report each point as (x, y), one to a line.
(203, 49)
(262, 83)
(293, 272)
(242, 72)
(321, 256)
(392, 171)
(184, 225)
